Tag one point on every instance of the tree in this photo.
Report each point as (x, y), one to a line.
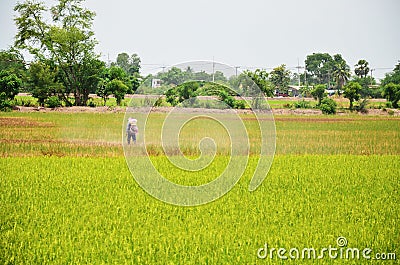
(341, 71)
(111, 75)
(10, 84)
(118, 89)
(67, 41)
(103, 90)
(391, 92)
(12, 61)
(42, 81)
(173, 76)
(130, 64)
(183, 92)
(318, 92)
(319, 67)
(280, 78)
(390, 86)
(361, 68)
(260, 78)
(365, 83)
(352, 92)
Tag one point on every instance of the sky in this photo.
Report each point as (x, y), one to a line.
(249, 34)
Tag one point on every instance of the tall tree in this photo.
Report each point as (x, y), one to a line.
(130, 64)
(361, 68)
(319, 67)
(280, 78)
(67, 41)
(341, 71)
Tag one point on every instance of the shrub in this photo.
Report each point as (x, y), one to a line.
(328, 106)
(92, 104)
(362, 106)
(5, 103)
(53, 102)
(302, 104)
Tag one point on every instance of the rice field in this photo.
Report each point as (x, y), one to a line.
(68, 196)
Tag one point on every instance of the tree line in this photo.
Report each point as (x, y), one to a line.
(66, 68)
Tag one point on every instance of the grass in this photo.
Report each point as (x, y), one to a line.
(68, 196)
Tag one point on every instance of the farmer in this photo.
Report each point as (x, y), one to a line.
(132, 130)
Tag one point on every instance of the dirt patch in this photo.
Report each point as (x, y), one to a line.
(22, 122)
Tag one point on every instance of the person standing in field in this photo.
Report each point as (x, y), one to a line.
(132, 130)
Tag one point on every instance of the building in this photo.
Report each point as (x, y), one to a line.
(156, 83)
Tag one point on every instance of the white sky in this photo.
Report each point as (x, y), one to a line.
(251, 33)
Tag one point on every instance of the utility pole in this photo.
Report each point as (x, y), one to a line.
(236, 70)
(298, 70)
(371, 75)
(213, 70)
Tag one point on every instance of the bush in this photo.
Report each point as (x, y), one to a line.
(92, 104)
(302, 104)
(362, 106)
(53, 102)
(328, 106)
(5, 103)
(26, 102)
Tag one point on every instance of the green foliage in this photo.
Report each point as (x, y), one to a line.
(118, 89)
(13, 61)
(328, 106)
(361, 68)
(280, 78)
(173, 76)
(341, 71)
(10, 84)
(53, 102)
(362, 106)
(302, 104)
(67, 41)
(260, 79)
(318, 92)
(42, 81)
(318, 66)
(366, 91)
(390, 86)
(391, 92)
(5, 103)
(130, 64)
(352, 92)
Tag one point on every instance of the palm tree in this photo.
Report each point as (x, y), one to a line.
(361, 68)
(341, 74)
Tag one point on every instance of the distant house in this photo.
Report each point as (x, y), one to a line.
(330, 92)
(156, 83)
(294, 91)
